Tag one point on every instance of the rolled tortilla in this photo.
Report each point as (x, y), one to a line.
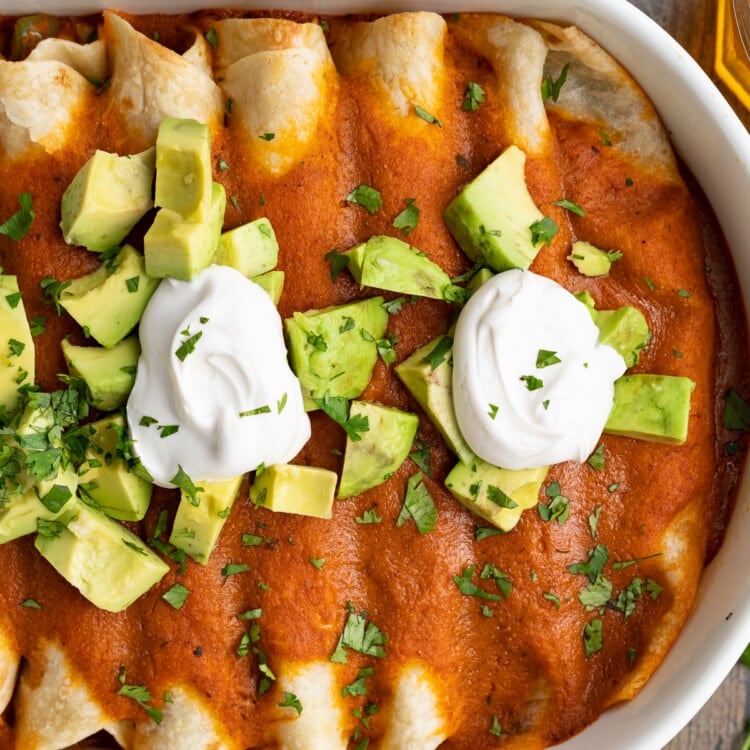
(401, 56)
(265, 60)
(150, 82)
(90, 60)
(71, 712)
(47, 118)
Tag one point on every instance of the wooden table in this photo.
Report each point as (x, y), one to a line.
(721, 723)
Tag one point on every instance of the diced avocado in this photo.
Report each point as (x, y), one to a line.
(625, 330)
(108, 373)
(389, 263)
(590, 260)
(183, 168)
(106, 199)
(491, 217)
(18, 517)
(109, 302)
(651, 407)
(584, 296)
(182, 248)
(196, 528)
(250, 248)
(380, 450)
(498, 495)
(482, 275)
(273, 283)
(106, 562)
(333, 351)
(17, 361)
(432, 388)
(37, 497)
(105, 478)
(289, 488)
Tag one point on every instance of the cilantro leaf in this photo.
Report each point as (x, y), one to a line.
(418, 505)
(423, 114)
(474, 95)
(337, 408)
(365, 196)
(338, 262)
(361, 636)
(291, 701)
(594, 566)
(551, 87)
(468, 588)
(592, 637)
(176, 596)
(543, 230)
(17, 226)
(437, 356)
(185, 483)
(408, 219)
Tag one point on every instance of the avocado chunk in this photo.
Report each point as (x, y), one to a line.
(36, 497)
(498, 495)
(109, 302)
(182, 248)
(590, 260)
(625, 330)
(250, 248)
(390, 263)
(105, 477)
(196, 528)
(109, 374)
(289, 488)
(106, 562)
(482, 275)
(333, 350)
(106, 199)
(273, 283)
(651, 407)
(183, 169)
(428, 374)
(380, 450)
(491, 217)
(17, 360)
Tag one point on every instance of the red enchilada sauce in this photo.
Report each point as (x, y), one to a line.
(525, 660)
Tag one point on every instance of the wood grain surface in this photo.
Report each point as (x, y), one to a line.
(721, 724)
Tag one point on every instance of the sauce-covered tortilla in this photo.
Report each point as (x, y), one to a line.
(453, 638)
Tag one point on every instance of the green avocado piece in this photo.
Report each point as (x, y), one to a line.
(289, 488)
(651, 407)
(625, 330)
(108, 373)
(479, 278)
(333, 350)
(36, 498)
(106, 199)
(590, 260)
(498, 495)
(182, 248)
(250, 248)
(196, 528)
(109, 302)
(380, 450)
(428, 374)
(105, 477)
(390, 263)
(17, 360)
(273, 283)
(105, 561)
(183, 169)
(491, 217)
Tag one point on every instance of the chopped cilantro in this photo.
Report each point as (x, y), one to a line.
(140, 695)
(594, 520)
(17, 226)
(498, 497)
(176, 596)
(532, 382)
(369, 516)
(359, 686)
(592, 637)
(550, 597)
(474, 95)
(492, 413)
(165, 430)
(187, 346)
(427, 116)
(318, 562)
(594, 566)
(338, 262)
(495, 728)
(365, 196)
(543, 231)
(13, 299)
(132, 284)
(437, 356)
(267, 136)
(551, 87)
(468, 588)
(546, 358)
(503, 583)
(421, 457)
(31, 604)
(337, 408)
(559, 507)
(418, 505)
(596, 593)
(408, 219)
(569, 206)
(485, 532)
(596, 460)
(359, 635)
(212, 38)
(231, 569)
(291, 701)
(52, 289)
(185, 483)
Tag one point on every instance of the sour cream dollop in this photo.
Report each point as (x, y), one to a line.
(532, 386)
(213, 365)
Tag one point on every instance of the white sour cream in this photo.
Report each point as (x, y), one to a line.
(213, 364)
(512, 412)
